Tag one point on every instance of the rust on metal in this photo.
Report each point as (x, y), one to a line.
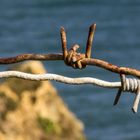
(73, 58)
(64, 42)
(90, 40)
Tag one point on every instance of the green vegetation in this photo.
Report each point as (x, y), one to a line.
(48, 126)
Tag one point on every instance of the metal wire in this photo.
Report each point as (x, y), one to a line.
(73, 58)
(130, 85)
(126, 84)
(78, 60)
(60, 78)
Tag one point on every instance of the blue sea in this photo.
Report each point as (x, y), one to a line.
(33, 26)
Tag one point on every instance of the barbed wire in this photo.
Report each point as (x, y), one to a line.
(79, 61)
(86, 61)
(128, 84)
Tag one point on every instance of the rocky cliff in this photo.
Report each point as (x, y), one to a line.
(31, 110)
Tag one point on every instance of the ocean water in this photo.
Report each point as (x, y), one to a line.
(32, 26)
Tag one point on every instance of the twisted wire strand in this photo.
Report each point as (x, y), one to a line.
(130, 85)
(126, 84)
(59, 56)
(77, 60)
(59, 78)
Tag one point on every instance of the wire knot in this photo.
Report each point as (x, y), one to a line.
(130, 85)
(73, 58)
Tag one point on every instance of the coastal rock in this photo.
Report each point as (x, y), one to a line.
(31, 110)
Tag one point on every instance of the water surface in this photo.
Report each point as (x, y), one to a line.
(33, 27)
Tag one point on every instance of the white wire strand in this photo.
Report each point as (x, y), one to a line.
(128, 84)
(59, 78)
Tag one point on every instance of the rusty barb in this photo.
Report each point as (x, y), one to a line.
(72, 57)
(78, 60)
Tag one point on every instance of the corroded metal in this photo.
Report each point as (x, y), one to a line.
(24, 57)
(74, 58)
(90, 40)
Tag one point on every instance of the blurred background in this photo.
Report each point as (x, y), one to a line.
(32, 26)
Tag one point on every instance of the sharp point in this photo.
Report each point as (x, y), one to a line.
(115, 103)
(93, 27)
(134, 110)
(75, 47)
(62, 29)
